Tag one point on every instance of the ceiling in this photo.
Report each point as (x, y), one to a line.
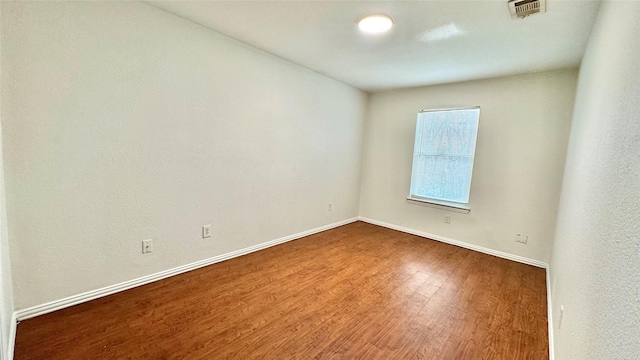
(431, 42)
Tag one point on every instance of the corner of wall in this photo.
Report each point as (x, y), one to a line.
(363, 149)
(7, 315)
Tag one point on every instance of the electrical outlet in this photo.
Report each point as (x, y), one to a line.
(330, 206)
(147, 246)
(206, 231)
(447, 219)
(522, 238)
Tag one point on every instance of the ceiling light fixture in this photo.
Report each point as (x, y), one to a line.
(375, 23)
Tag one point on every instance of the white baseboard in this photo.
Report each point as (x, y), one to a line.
(504, 255)
(112, 289)
(550, 315)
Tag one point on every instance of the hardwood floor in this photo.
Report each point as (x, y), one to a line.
(355, 292)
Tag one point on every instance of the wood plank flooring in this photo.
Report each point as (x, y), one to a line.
(355, 292)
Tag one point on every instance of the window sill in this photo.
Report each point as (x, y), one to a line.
(442, 205)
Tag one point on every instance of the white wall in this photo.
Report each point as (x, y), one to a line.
(522, 139)
(122, 122)
(7, 325)
(6, 290)
(595, 267)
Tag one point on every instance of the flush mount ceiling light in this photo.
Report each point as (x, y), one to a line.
(375, 23)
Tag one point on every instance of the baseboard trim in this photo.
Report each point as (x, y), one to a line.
(504, 255)
(112, 289)
(550, 315)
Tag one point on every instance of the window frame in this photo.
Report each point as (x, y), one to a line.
(439, 203)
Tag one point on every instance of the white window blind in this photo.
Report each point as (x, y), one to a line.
(443, 154)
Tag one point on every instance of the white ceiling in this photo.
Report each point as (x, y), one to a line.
(432, 42)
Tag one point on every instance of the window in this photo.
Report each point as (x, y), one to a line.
(443, 155)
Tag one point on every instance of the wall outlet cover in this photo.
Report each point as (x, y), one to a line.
(206, 231)
(522, 238)
(147, 246)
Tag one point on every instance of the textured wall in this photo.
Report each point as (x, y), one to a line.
(517, 175)
(6, 289)
(595, 267)
(122, 122)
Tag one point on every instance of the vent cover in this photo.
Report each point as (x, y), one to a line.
(524, 8)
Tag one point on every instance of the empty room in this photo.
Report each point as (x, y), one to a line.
(320, 179)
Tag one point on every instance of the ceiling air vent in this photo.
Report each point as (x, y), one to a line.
(523, 8)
